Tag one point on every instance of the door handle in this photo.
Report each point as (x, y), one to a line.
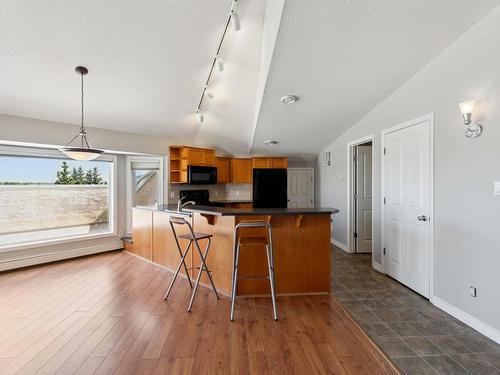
(422, 218)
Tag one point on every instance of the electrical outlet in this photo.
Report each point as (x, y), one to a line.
(496, 190)
(172, 194)
(120, 233)
(237, 192)
(473, 292)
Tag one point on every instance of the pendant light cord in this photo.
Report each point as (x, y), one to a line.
(82, 128)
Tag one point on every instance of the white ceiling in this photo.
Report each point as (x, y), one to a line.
(344, 57)
(148, 62)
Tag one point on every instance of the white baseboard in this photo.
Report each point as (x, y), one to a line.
(47, 257)
(339, 244)
(464, 317)
(378, 267)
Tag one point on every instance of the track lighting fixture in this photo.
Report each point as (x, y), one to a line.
(220, 64)
(209, 93)
(233, 18)
(199, 116)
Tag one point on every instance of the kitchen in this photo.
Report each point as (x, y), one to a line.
(300, 235)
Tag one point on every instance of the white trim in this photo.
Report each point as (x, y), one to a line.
(378, 267)
(312, 171)
(429, 117)
(340, 245)
(47, 257)
(128, 184)
(350, 149)
(468, 319)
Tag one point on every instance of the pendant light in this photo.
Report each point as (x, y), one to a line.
(79, 147)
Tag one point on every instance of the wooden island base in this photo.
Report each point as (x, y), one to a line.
(301, 250)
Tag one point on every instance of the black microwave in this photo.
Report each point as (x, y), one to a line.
(202, 175)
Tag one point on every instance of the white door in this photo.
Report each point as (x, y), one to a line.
(407, 205)
(363, 199)
(300, 187)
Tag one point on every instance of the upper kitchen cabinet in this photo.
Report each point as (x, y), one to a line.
(223, 170)
(199, 156)
(241, 171)
(182, 156)
(269, 162)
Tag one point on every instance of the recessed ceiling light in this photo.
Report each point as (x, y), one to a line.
(270, 142)
(289, 99)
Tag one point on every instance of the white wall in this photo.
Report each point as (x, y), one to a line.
(467, 214)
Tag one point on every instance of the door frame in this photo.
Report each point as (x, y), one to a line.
(429, 117)
(350, 190)
(312, 181)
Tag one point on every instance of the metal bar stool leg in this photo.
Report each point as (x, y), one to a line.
(180, 253)
(270, 264)
(202, 268)
(235, 279)
(183, 256)
(205, 267)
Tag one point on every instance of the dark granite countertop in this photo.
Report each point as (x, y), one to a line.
(226, 211)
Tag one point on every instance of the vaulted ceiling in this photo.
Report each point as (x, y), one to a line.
(148, 62)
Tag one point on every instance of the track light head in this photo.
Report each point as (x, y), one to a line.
(209, 93)
(235, 19)
(199, 116)
(220, 63)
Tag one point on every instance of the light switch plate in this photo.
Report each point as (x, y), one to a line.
(497, 188)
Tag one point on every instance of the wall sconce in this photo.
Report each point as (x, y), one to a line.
(471, 130)
(326, 158)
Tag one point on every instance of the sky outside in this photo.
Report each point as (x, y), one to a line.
(26, 169)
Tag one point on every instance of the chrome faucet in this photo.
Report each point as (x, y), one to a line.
(180, 205)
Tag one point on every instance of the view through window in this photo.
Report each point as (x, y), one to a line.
(45, 198)
(147, 182)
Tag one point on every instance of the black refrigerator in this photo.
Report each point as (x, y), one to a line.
(269, 188)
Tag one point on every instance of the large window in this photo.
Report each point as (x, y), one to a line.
(44, 196)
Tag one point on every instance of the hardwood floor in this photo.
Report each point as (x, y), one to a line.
(105, 314)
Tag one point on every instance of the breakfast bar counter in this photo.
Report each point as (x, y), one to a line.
(301, 239)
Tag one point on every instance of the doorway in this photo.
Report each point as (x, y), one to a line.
(361, 195)
(407, 194)
(300, 187)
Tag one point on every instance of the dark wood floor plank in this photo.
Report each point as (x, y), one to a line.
(105, 314)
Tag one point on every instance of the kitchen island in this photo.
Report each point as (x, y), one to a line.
(301, 239)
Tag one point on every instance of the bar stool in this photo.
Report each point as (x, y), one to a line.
(268, 243)
(192, 237)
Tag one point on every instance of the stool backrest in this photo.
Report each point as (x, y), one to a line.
(178, 220)
(253, 224)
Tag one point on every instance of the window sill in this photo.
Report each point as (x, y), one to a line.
(35, 244)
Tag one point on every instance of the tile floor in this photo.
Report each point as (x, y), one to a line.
(418, 336)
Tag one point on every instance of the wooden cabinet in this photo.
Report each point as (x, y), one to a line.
(223, 170)
(241, 171)
(264, 162)
(181, 157)
(236, 171)
(199, 156)
(279, 162)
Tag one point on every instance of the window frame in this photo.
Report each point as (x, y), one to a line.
(129, 184)
(41, 152)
